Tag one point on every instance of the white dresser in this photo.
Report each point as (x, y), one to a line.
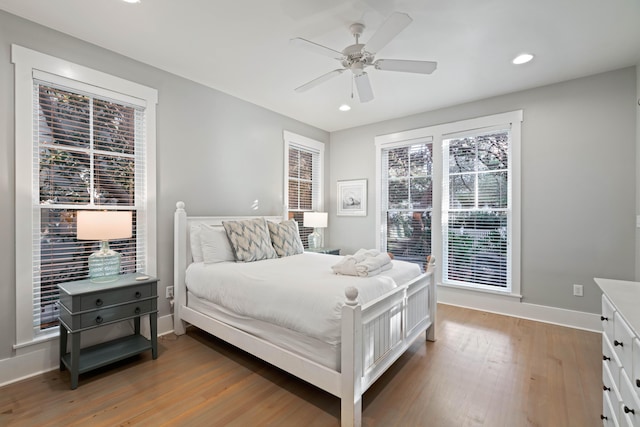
(620, 352)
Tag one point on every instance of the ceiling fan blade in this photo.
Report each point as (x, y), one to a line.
(323, 78)
(365, 92)
(407, 66)
(316, 48)
(389, 29)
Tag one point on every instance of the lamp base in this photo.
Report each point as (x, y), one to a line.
(315, 240)
(104, 265)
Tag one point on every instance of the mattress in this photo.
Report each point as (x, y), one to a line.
(299, 293)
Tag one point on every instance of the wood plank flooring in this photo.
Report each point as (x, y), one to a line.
(484, 370)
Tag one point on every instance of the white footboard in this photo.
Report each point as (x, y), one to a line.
(376, 334)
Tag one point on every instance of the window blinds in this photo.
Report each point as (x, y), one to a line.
(477, 209)
(89, 153)
(303, 185)
(406, 197)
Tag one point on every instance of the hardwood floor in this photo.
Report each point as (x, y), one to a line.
(484, 370)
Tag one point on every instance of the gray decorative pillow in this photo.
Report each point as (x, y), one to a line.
(285, 238)
(250, 239)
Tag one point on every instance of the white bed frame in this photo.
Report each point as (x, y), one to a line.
(374, 335)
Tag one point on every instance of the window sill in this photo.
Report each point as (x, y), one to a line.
(507, 295)
(47, 336)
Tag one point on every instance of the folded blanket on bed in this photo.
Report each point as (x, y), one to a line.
(364, 263)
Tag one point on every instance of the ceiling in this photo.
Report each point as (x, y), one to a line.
(241, 47)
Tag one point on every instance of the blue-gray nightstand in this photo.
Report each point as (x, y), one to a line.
(86, 305)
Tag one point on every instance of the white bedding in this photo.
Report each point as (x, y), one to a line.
(298, 292)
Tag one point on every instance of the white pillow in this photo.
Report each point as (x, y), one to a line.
(215, 245)
(196, 246)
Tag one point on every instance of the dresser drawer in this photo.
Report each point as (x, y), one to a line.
(611, 361)
(630, 407)
(635, 379)
(118, 296)
(608, 413)
(611, 390)
(607, 318)
(623, 342)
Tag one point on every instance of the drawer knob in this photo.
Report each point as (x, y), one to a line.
(605, 357)
(99, 302)
(618, 343)
(138, 294)
(604, 318)
(99, 319)
(628, 410)
(137, 310)
(602, 417)
(605, 388)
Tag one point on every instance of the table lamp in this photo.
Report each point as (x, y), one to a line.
(104, 265)
(315, 220)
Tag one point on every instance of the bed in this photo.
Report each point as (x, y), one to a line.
(350, 335)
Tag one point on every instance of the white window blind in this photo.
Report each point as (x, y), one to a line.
(89, 153)
(303, 179)
(477, 208)
(407, 200)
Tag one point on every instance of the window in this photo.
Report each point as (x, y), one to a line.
(476, 209)
(452, 190)
(406, 195)
(304, 159)
(81, 144)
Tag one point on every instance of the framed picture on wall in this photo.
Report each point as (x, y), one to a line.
(352, 197)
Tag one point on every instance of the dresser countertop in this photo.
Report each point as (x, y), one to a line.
(625, 296)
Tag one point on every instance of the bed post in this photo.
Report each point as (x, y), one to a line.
(179, 266)
(351, 375)
(433, 298)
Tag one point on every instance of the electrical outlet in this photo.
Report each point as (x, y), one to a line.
(577, 290)
(169, 292)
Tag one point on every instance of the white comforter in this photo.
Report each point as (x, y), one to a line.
(298, 292)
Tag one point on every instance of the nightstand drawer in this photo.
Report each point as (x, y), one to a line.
(112, 314)
(106, 315)
(119, 296)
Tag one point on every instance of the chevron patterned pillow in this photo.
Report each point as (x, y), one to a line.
(285, 238)
(249, 239)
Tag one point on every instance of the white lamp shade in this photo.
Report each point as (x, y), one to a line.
(315, 219)
(104, 225)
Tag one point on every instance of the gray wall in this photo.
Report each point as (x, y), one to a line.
(214, 152)
(578, 182)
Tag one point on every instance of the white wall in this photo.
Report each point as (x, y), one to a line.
(637, 106)
(578, 182)
(214, 152)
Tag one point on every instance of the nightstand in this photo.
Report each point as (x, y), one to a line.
(330, 251)
(85, 305)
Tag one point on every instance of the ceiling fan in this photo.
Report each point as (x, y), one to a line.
(357, 57)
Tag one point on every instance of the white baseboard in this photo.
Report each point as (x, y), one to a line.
(44, 356)
(513, 307)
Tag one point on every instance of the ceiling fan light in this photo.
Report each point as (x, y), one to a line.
(522, 59)
(344, 107)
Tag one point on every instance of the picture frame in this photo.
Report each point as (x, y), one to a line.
(352, 197)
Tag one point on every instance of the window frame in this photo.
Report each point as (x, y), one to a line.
(382, 193)
(438, 133)
(294, 140)
(27, 65)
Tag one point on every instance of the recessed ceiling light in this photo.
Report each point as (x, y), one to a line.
(344, 107)
(522, 58)
(131, 1)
